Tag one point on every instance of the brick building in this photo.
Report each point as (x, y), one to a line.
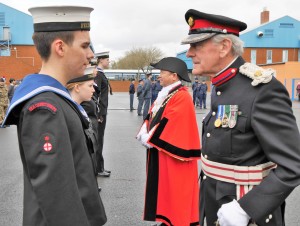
(18, 56)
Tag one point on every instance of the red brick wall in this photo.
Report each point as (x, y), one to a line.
(121, 86)
(25, 60)
(261, 54)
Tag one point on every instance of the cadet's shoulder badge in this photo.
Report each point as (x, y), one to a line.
(47, 143)
(42, 105)
(257, 74)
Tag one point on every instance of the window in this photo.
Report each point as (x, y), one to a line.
(286, 25)
(285, 55)
(269, 56)
(269, 33)
(253, 56)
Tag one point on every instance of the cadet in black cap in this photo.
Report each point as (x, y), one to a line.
(104, 86)
(60, 187)
(248, 170)
(170, 133)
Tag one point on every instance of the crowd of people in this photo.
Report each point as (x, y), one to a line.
(245, 163)
(146, 93)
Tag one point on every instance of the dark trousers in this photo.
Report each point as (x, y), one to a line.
(146, 107)
(99, 153)
(194, 98)
(131, 101)
(202, 99)
(140, 105)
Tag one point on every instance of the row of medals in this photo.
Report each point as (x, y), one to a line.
(226, 116)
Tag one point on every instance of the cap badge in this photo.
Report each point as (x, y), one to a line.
(191, 21)
(85, 25)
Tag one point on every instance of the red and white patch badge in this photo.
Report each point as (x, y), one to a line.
(47, 146)
(47, 143)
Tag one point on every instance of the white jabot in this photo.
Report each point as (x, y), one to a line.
(162, 96)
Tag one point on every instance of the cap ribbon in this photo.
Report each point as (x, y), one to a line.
(205, 26)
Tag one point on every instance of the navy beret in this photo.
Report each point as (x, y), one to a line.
(83, 78)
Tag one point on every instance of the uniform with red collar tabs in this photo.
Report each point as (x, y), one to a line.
(248, 166)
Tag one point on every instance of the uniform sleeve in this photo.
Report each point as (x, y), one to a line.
(177, 132)
(49, 163)
(275, 127)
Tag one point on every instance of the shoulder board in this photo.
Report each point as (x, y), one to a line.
(257, 74)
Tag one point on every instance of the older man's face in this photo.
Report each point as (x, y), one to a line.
(205, 56)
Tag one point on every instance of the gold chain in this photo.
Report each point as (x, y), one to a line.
(165, 102)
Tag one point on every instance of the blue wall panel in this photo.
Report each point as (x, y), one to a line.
(21, 25)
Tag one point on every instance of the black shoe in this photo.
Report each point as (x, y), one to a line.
(139, 114)
(107, 171)
(99, 189)
(103, 174)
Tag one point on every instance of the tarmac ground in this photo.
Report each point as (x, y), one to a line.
(123, 192)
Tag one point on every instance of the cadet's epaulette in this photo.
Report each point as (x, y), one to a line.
(257, 74)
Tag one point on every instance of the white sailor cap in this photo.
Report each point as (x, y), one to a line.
(60, 18)
(102, 55)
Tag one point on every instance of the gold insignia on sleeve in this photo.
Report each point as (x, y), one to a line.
(191, 21)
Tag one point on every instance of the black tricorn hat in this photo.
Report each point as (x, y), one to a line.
(83, 78)
(203, 26)
(173, 64)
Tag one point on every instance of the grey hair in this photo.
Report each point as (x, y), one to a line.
(237, 43)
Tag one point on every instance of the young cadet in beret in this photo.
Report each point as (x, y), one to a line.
(81, 90)
(251, 144)
(170, 134)
(59, 181)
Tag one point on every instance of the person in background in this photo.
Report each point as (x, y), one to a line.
(11, 88)
(248, 167)
(194, 89)
(59, 180)
(147, 94)
(104, 86)
(170, 134)
(298, 90)
(3, 100)
(131, 94)
(140, 96)
(156, 88)
(202, 94)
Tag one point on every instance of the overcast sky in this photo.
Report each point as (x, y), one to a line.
(120, 25)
